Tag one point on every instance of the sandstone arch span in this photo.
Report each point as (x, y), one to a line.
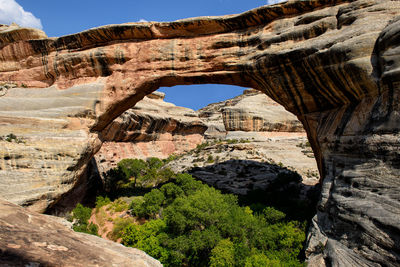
(334, 64)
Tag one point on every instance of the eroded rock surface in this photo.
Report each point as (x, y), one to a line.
(251, 111)
(334, 64)
(250, 139)
(32, 239)
(153, 128)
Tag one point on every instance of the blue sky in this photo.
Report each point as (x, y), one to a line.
(59, 18)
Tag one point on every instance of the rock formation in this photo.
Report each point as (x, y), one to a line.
(32, 239)
(251, 111)
(260, 140)
(332, 63)
(153, 128)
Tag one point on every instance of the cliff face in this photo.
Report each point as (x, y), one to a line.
(334, 64)
(153, 128)
(251, 111)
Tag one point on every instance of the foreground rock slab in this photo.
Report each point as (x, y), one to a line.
(32, 239)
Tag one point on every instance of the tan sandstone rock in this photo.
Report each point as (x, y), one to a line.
(32, 239)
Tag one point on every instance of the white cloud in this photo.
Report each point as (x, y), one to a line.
(271, 2)
(142, 20)
(11, 11)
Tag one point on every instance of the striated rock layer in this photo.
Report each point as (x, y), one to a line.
(251, 111)
(31, 239)
(334, 64)
(153, 128)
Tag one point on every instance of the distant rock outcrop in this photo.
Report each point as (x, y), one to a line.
(31, 239)
(153, 128)
(332, 63)
(251, 111)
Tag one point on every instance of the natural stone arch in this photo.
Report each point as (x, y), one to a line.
(334, 64)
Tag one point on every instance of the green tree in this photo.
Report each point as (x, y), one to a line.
(171, 192)
(154, 163)
(147, 237)
(153, 202)
(132, 168)
(260, 260)
(205, 207)
(223, 255)
(272, 215)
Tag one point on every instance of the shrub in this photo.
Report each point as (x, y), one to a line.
(102, 201)
(272, 215)
(81, 216)
(119, 226)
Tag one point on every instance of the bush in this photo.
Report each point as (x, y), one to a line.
(81, 216)
(272, 215)
(119, 227)
(102, 201)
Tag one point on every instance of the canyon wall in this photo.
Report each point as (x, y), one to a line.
(251, 111)
(334, 64)
(153, 128)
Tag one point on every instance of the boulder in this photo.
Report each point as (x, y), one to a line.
(32, 239)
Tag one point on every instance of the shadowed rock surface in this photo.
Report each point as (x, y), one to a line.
(334, 64)
(32, 239)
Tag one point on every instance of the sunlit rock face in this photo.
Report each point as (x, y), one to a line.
(334, 64)
(32, 239)
(153, 128)
(252, 111)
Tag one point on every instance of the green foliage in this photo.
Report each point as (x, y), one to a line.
(260, 260)
(154, 163)
(171, 191)
(135, 176)
(153, 202)
(81, 216)
(200, 210)
(272, 215)
(136, 206)
(12, 138)
(210, 159)
(223, 254)
(81, 213)
(187, 183)
(200, 226)
(102, 201)
(119, 226)
(147, 237)
(187, 223)
(132, 168)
